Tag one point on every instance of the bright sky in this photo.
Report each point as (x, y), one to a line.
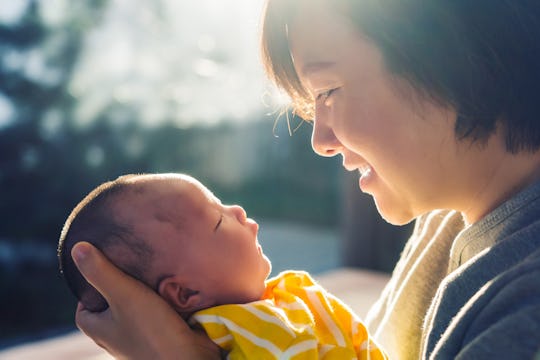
(188, 60)
(10, 11)
(193, 61)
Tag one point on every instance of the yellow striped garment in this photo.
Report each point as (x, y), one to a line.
(296, 319)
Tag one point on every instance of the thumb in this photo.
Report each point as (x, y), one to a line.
(100, 272)
(118, 288)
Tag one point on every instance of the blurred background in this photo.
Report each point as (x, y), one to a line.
(90, 90)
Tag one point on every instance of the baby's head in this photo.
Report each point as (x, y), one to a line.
(172, 233)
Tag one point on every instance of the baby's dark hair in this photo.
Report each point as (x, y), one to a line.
(94, 220)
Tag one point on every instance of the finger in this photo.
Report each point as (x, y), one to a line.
(80, 306)
(91, 323)
(115, 286)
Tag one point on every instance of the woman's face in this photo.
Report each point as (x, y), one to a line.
(402, 145)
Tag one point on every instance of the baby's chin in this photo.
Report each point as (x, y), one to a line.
(269, 264)
(255, 294)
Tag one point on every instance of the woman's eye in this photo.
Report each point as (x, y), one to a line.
(325, 95)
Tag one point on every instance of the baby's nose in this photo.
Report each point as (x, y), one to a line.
(239, 212)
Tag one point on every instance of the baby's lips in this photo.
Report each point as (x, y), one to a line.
(252, 223)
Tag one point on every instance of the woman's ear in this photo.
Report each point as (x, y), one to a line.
(181, 298)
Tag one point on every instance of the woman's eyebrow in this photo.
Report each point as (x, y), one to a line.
(316, 66)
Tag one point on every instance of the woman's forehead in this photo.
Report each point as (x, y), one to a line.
(317, 39)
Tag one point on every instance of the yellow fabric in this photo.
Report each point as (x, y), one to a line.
(296, 319)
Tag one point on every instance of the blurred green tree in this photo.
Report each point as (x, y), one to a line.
(37, 61)
(38, 56)
(48, 161)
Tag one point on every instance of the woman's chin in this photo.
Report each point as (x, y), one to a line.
(394, 214)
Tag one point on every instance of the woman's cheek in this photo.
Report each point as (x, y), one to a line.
(343, 116)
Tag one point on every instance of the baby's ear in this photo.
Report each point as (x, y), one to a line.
(183, 299)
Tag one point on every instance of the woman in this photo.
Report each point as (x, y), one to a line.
(435, 104)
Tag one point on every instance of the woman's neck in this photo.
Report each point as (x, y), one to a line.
(501, 176)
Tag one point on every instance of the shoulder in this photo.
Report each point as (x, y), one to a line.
(512, 289)
(508, 317)
(501, 319)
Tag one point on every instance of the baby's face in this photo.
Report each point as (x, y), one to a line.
(214, 246)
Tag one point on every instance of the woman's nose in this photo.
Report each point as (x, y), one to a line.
(323, 139)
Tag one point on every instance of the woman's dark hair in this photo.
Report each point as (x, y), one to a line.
(481, 57)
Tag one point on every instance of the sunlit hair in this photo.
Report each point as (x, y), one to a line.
(481, 58)
(276, 55)
(93, 220)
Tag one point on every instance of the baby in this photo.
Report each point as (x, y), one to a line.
(170, 232)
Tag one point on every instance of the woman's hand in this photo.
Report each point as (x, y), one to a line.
(138, 324)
